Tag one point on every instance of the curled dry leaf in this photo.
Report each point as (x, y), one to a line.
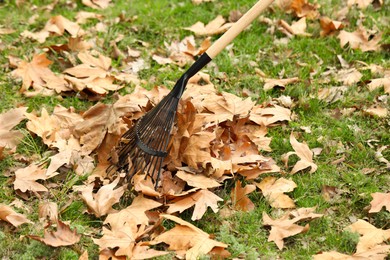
(202, 199)
(216, 26)
(268, 116)
(97, 4)
(198, 180)
(239, 199)
(286, 225)
(303, 151)
(101, 202)
(273, 190)
(296, 28)
(329, 26)
(279, 83)
(48, 211)
(62, 236)
(302, 8)
(379, 201)
(360, 39)
(9, 215)
(376, 110)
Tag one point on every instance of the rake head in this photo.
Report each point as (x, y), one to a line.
(143, 147)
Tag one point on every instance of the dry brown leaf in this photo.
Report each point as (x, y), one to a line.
(198, 180)
(370, 236)
(216, 26)
(198, 149)
(296, 28)
(101, 202)
(380, 82)
(36, 74)
(302, 8)
(97, 4)
(186, 239)
(332, 94)
(135, 212)
(362, 4)
(349, 76)
(239, 199)
(6, 31)
(379, 201)
(10, 138)
(25, 178)
(279, 83)
(202, 199)
(376, 110)
(329, 26)
(59, 24)
(360, 39)
(286, 225)
(273, 190)
(377, 253)
(267, 116)
(9, 215)
(48, 211)
(63, 236)
(83, 16)
(303, 151)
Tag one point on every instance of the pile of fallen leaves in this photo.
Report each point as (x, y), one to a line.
(218, 137)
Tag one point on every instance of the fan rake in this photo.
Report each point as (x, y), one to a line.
(143, 147)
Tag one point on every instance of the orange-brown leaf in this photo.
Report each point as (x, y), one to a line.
(239, 199)
(273, 189)
(9, 215)
(379, 201)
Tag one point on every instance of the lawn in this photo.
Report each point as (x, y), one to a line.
(320, 70)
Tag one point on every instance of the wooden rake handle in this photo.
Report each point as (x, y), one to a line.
(237, 28)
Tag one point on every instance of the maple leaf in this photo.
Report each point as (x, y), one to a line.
(48, 210)
(370, 236)
(273, 189)
(197, 180)
(379, 252)
(25, 178)
(59, 24)
(216, 26)
(101, 203)
(267, 116)
(239, 199)
(349, 76)
(63, 236)
(201, 199)
(97, 4)
(10, 138)
(36, 74)
(376, 110)
(9, 215)
(303, 151)
(329, 26)
(286, 227)
(198, 149)
(360, 39)
(302, 8)
(380, 82)
(135, 212)
(362, 4)
(187, 239)
(296, 28)
(379, 201)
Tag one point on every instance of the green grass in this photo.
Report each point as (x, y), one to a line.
(159, 22)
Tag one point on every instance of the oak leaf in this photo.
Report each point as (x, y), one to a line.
(216, 26)
(101, 202)
(286, 225)
(360, 39)
(26, 178)
(63, 236)
(239, 199)
(9, 215)
(370, 236)
(304, 153)
(202, 199)
(379, 201)
(273, 189)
